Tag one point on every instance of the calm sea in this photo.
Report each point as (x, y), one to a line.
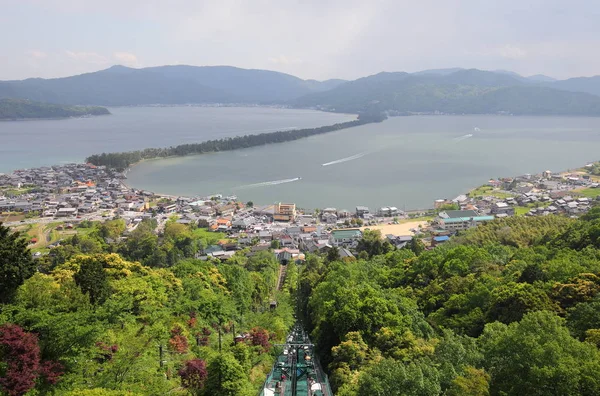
(406, 162)
(27, 144)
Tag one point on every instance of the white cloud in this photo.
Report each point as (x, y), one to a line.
(37, 54)
(87, 57)
(126, 58)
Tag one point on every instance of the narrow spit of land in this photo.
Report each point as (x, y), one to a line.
(121, 161)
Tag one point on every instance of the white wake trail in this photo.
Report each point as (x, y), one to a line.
(339, 161)
(461, 138)
(267, 183)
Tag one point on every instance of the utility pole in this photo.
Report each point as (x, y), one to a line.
(161, 362)
(220, 325)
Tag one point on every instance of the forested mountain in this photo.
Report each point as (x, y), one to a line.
(464, 91)
(17, 109)
(452, 90)
(121, 85)
(590, 85)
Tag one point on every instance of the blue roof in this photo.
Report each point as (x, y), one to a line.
(442, 238)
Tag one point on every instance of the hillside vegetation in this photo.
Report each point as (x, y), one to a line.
(122, 86)
(509, 308)
(462, 92)
(138, 318)
(457, 91)
(15, 109)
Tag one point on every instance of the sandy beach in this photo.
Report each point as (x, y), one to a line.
(397, 229)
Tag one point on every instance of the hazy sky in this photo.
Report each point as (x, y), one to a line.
(309, 38)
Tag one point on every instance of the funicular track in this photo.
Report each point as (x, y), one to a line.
(296, 372)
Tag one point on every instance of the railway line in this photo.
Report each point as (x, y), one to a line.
(297, 371)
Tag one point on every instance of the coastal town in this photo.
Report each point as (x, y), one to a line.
(49, 203)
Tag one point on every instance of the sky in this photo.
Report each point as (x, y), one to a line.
(316, 39)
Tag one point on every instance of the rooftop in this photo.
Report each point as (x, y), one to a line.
(453, 214)
(349, 233)
(463, 219)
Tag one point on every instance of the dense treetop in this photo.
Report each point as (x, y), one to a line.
(509, 308)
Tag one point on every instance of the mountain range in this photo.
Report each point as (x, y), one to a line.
(452, 90)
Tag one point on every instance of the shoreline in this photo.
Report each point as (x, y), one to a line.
(408, 211)
(52, 118)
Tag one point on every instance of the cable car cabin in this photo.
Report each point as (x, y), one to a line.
(273, 305)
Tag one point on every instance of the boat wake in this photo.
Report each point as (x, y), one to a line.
(339, 161)
(267, 183)
(461, 138)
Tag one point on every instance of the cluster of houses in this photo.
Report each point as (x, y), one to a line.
(70, 190)
(84, 190)
(280, 227)
(540, 195)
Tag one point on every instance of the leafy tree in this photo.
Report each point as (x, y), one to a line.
(348, 358)
(584, 316)
(16, 263)
(538, 356)
(92, 279)
(474, 382)
(333, 254)
(593, 337)
(510, 302)
(100, 392)
(193, 376)
(392, 378)
(260, 337)
(20, 362)
(226, 377)
(372, 243)
(112, 228)
(416, 245)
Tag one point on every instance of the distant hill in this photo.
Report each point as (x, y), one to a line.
(464, 91)
(179, 84)
(541, 78)
(590, 85)
(446, 90)
(441, 72)
(17, 109)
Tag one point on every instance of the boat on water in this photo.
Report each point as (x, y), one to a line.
(297, 371)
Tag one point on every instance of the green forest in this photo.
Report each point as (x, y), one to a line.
(511, 307)
(463, 92)
(15, 109)
(121, 161)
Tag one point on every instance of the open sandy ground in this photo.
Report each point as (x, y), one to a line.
(397, 229)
